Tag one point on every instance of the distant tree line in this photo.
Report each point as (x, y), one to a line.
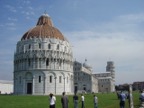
(124, 87)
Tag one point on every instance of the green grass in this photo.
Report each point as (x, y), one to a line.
(104, 101)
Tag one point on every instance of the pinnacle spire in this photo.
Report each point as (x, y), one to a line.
(45, 20)
(46, 14)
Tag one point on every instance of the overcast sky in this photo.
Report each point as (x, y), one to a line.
(98, 30)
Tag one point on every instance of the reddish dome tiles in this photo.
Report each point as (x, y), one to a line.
(43, 29)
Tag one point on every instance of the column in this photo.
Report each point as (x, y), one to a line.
(71, 83)
(37, 63)
(55, 84)
(64, 84)
(44, 85)
(24, 86)
(34, 66)
(33, 85)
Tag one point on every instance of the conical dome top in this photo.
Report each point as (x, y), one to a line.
(44, 20)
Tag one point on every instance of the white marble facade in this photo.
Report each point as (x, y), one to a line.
(43, 65)
(88, 81)
(83, 78)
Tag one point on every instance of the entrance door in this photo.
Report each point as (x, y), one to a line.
(29, 88)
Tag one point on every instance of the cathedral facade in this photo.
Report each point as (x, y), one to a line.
(43, 61)
(84, 81)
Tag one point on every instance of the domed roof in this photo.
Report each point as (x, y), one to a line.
(43, 29)
(86, 65)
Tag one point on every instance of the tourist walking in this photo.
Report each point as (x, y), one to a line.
(52, 100)
(95, 101)
(122, 98)
(75, 100)
(142, 96)
(64, 100)
(82, 100)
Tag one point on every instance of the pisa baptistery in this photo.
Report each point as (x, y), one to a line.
(43, 61)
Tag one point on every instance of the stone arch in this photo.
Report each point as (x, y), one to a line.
(62, 74)
(28, 76)
(28, 83)
(53, 74)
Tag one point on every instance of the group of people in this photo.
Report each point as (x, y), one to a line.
(123, 96)
(64, 101)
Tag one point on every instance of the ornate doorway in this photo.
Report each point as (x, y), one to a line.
(29, 83)
(29, 88)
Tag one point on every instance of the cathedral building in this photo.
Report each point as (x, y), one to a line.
(43, 61)
(43, 64)
(84, 81)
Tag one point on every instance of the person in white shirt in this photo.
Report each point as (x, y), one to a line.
(95, 102)
(82, 100)
(52, 100)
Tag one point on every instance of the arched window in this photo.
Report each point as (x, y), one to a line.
(49, 46)
(29, 62)
(39, 79)
(29, 46)
(60, 79)
(47, 62)
(50, 79)
(58, 47)
(54, 60)
(39, 46)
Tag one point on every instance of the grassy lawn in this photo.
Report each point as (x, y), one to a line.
(104, 101)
